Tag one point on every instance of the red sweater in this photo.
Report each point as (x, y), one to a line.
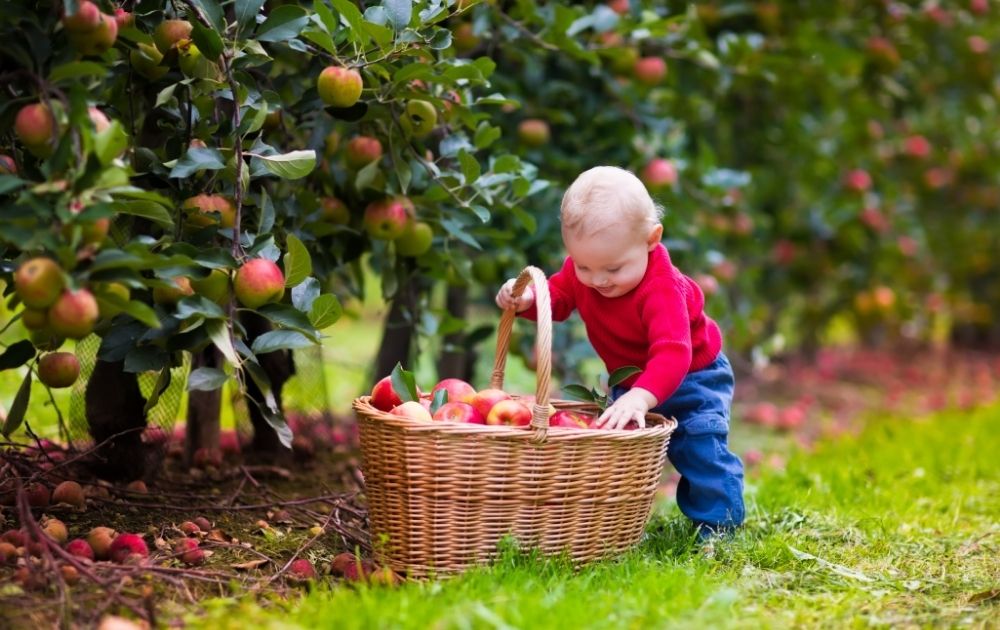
(659, 326)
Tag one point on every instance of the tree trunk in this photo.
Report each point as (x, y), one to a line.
(279, 367)
(397, 332)
(203, 409)
(457, 360)
(114, 407)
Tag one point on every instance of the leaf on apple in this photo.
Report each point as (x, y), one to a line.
(404, 383)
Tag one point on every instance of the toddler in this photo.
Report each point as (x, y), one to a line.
(639, 310)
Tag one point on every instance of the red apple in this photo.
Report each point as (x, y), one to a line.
(883, 52)
(339, 86)
(413, 410)
(86, 18)
(98, 40)
(258, 282)
(35, 126)
(59, 369)
(182, 288)
(79, 548)
(38, 282)
(7, 165)
(169, 32)
(619, 6)
(386, 219)
(534, 132)
(570, 419)
(69, 492)
(128, 546)
(124, 18)
(658, 174)
(384, 397)
(74, 314)
(458, 390)
(509, 412)
(484, 400)
(917, 147)
(362, 150)
(205, 210)
(335, 211)
(857, 180)
(650, 70)
(458, 412)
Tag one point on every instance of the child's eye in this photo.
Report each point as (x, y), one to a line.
(615, 270)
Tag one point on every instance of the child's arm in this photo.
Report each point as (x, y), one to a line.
(560, 293)
(632, 405)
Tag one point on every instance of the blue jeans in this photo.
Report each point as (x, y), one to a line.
(710, 491)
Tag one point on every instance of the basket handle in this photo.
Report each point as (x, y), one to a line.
(543, 346)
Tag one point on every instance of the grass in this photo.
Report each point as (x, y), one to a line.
(896, 528)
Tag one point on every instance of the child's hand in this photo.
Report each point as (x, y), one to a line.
(505, 297)
(632, 405)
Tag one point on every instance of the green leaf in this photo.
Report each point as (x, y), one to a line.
(283, 23)
(325, 311)
(110, 143)
(18, 407)
(355, 20)
(163, 96)
(287, 316)
(212, 11)
(486, 135)
(326, 18)
(366, 176)
(404, 384)
(77, 70)
(208, 41)
(439, 399)
(198, 159)
(17, 355)
(246, 12)
(578, 392)
(196, 305)
(206, 379)
(280, 340)
(145, 359)
(9, 183)
(413, 71)
(219, 335)
(399, 12)
(162, 383)
(269, 409)
(298, 264)
(470, 166)
(293, 165)
(321, 39)
(146, 209)
(623, 374)
(305, 294)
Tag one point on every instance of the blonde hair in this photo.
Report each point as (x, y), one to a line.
(603, 196)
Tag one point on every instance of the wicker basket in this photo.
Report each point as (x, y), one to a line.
(442, 495)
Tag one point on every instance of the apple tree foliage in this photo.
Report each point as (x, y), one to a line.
(230, 108)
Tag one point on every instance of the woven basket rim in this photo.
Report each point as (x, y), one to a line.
(663, 426)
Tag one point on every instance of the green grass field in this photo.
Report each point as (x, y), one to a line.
(897, 528)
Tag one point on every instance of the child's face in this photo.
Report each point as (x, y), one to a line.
(613, 261)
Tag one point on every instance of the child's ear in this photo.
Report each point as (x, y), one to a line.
(655, 235)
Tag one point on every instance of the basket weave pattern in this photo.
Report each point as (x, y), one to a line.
(442, 495)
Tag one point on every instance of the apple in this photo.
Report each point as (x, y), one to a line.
(416, 239)
(193, 64)
(190, 553)
(86, 18)
(339, 86)
(533, 132)
(413, 410)
(464, 37)
(882, 52)
(791, 417)
(56, 530)
(124, 18)
(126, 547)
(458, 412)
(708, 283)
(383, 396)
(621, 7)
(145, 59)
(650, 70)
(39, 282)
(215, 286)
(34, 319)
(509, 412)
(169, 296)
(58, 369)
(857, 180)
(362, 150)
(91, 232)
(38, 495)
(765, 414)
(484, 400)
(917, 147)
(458, 390)
(659, 173)
(258, 282)
(168, 32)
(205, 210)
(335, 211)
(98, 40)
(386, 219)
(570, 419)
(301, 570)
(79, 548)
(35, 126)
(7, 165)
(419, 118)
(74, 314)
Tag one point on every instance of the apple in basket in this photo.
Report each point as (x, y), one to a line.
(459, 412)
(384, 397)
(509, 412)
(484, 400)
(570, 420)
(412, 410)
(458, 390)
